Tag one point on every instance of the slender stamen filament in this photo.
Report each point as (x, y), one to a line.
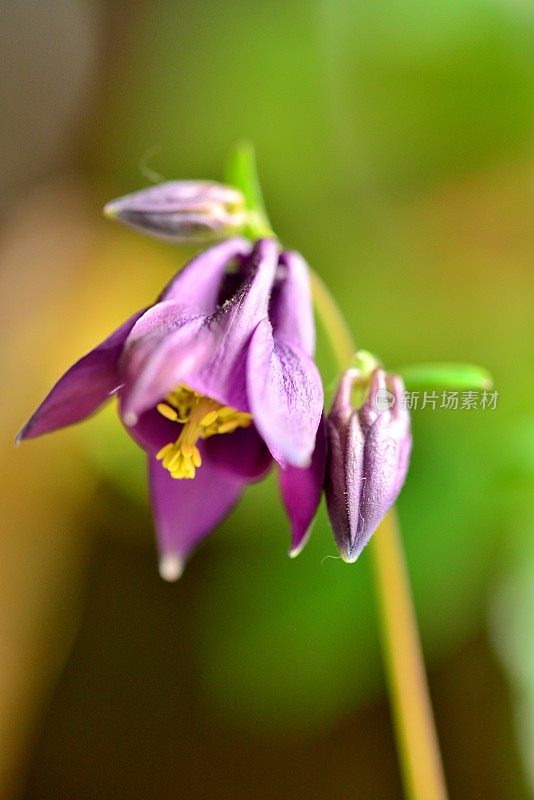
(201, 417)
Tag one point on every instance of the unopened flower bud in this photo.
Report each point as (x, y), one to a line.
(182, 211)
(369, 451)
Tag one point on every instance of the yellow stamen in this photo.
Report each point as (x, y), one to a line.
(187, 450)
(167, 411)
(196, 457)
(201, 418)
(164, 450)
(226, 411)
(210, 417)
(232, 424)
(170, 460)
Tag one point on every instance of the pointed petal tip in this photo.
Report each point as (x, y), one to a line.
(350, 557)
(130, 418)
(24, 433)
(293, 552)
(171, 567)
(294, 458)
(302, 462)
(302, 541)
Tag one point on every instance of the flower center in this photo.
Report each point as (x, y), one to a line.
(201, 417)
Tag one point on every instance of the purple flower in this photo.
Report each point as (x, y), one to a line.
(369, 451)
(182, 211)
(215, 381)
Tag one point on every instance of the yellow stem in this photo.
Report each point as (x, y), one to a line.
(417, 741)
(415, 732)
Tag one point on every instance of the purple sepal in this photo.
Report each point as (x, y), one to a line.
(301, 491)
(286, 396)
(284, 386)
(83, 388)
(291, 311)
(241, 454)
(185, 511)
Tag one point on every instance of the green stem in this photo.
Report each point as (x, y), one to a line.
(340, 338)
(415, 732)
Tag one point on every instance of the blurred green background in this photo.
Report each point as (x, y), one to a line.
(395, 143)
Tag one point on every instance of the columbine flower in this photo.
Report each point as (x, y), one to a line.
(182, 211)
(214, 381)
(369, 451)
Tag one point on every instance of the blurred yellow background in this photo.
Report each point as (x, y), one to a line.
(395, 144)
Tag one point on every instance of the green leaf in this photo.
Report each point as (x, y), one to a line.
(445, 376)
(241, 172)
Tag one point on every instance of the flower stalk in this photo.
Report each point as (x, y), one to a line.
(417, 740)
(415, 731)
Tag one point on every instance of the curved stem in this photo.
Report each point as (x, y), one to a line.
(415, 732)
(341, 341)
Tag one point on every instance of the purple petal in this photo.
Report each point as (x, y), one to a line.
(343, 482)
(163, 348)
(151, 331)
(83, 388)
(385, 464)
(403, 432)
(207, 353)
(380, 479)
(242, 454)
(190, 296)
(291, 311)
(286, 397)
(378, 394)
(198, 284)
(185, 511)
(153, 431)
(227, 334)
(301, 491)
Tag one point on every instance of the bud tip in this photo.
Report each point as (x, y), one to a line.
(171, 567)
(110, 210)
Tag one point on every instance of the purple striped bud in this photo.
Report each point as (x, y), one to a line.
(369, 452)
(182, 211)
